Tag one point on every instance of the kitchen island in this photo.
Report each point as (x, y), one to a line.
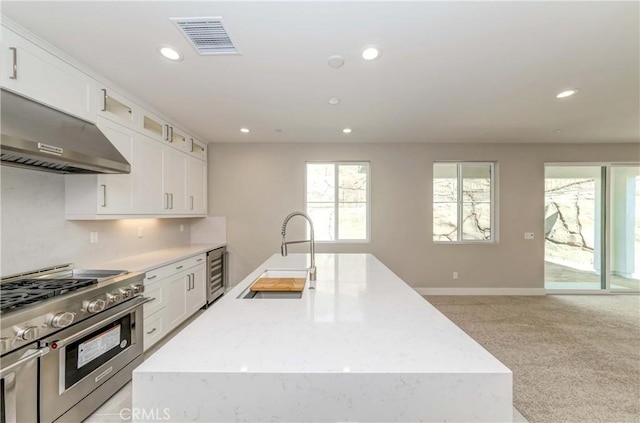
(363, 346)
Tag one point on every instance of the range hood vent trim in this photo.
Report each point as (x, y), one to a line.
(38, 137)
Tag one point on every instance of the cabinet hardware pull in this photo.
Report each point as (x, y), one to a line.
(179, 267)
(199, 259)
(14, 68)
(192, 145)
(193, 281)
(152, 277)
(171, 196)
(188, 282)
(192, 202)
(166, 132)
(104, 195)
(151, 331)
(104, 100)
(171, 137)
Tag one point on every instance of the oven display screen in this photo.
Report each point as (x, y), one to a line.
(94, 348)
(97, 348)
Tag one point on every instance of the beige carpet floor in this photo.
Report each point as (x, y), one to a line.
(574, 358)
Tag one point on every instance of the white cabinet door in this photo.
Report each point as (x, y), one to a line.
(177, 299)
(174, 164)
(33, 72)
(116, 193)
(149, 170)
(197, 186)
(196, 293)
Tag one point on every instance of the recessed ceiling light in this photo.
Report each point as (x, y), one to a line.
(370, 53)
(567, 93)
(244, 130)
(170, 53)
(336, 61)
(334, 100)
(346, 130)
(557, 131)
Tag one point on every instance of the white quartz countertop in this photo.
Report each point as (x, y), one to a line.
(361, 318)
(158, 258)
(361, 347)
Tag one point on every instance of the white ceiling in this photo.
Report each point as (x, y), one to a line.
(449, 71)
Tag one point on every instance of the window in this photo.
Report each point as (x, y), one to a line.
(463, 206)
(337, 200)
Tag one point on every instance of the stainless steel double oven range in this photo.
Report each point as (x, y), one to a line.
(69, 340)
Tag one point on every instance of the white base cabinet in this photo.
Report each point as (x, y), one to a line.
(178, 290)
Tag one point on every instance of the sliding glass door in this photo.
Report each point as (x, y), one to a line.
(592, 228)
(625, 228)
(573, 227)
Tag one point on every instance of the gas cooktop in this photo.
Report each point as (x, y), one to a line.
(21, 293)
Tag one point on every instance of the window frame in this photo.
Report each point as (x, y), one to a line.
(460, 201)
(336, 202)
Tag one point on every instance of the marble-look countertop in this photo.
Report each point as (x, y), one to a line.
(158, 258)
(363, 346)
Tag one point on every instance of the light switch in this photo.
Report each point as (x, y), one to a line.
(528, 235)
(140, 231)
(93, 237)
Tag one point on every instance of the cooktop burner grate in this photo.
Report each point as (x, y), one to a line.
(17, 294)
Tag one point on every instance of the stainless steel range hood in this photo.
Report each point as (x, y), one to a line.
(41, 138)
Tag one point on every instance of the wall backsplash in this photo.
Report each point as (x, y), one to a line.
(34, 233)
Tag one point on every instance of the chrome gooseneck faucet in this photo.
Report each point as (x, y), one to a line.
(283, 247)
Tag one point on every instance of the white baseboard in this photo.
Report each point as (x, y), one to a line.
(480, 291)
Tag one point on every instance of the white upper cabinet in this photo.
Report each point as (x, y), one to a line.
(35, 73)
(174, 165)
(196, 186)
(149, 168)
(116, 107)
(198, 149)
(153, 127)
(117, 192)
(91, 196)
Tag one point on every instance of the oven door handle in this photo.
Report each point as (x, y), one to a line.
(83, 332)
(10, 368)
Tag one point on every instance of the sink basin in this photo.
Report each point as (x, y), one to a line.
(257, 295)
(277, 284)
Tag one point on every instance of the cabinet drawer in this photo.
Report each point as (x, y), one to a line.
(158, 291)
(154, 329)
(173, 268)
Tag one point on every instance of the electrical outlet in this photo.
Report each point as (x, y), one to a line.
(93, 237)
(140, 231)
(181, 227)
(528, 235)
(455, 275)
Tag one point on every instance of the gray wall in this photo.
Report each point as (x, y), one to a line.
(256, 185)
(35, 234)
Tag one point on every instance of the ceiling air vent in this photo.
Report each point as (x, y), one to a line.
(207, 35)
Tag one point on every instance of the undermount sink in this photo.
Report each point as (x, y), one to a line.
(277, 284)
